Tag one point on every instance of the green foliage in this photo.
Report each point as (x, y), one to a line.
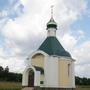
(1, 69)
(82, 81)
(5, 75)
(6, 69)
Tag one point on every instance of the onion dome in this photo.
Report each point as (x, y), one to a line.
(51, 24)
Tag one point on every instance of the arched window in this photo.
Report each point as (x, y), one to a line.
(69, 69)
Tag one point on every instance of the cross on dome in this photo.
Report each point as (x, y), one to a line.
(52, 23)
(52, 11)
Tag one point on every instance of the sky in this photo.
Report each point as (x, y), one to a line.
(23, 29)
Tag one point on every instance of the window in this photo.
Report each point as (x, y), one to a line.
(68, 69)
(41, 82)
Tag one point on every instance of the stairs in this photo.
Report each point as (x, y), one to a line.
(28, 88)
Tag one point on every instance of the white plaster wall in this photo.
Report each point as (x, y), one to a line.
(51, 32)
(51, 72)
(73, 74)
(25, 79)
(37, 80)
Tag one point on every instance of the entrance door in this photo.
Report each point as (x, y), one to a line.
(31, 78)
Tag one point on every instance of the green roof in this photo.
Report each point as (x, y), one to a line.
(52, 24)
(52, 47)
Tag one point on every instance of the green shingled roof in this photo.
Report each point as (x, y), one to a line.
(52, 47)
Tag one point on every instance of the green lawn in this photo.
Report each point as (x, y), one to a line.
(83, 88)
(10, 86)
(18, 86)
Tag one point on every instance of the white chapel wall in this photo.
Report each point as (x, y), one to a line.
(51, 71)
(73, 74)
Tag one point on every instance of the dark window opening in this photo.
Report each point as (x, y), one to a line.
(41, 82)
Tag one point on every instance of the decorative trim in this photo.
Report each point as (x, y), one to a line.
(36, 52)
(66, 58)
(25, 75)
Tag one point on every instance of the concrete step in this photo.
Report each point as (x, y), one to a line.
(28, 88)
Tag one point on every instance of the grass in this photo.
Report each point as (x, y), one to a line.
(18, 86)
(10, 86)
(83, 87)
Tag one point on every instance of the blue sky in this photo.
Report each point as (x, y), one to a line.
(23, 22)
(83, 24)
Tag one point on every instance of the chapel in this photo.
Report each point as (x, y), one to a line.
(50, 67)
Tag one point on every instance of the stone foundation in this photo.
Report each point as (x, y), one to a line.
(44, 88)
(39, 88)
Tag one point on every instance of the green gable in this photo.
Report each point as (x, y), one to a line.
(52, 47)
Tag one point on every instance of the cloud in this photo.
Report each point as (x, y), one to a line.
(83, 70)
(16, 64)
(35, 18)
(15, 61)
(1, 52)
(9, 9)
(69, 12)
(68, 41)
(83, 53)
(82, 56)
(24, 34)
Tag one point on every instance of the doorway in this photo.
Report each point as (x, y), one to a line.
(31, 78)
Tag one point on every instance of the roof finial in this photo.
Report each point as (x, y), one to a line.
(52, 11)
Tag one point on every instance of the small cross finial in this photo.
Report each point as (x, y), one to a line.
(52, 11)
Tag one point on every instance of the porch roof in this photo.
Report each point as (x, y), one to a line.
(39, 69)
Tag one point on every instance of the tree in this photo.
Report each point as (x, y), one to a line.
(1, 69)
(6, 69)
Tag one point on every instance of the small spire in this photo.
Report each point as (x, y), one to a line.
(52, 11)
(52, 23)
